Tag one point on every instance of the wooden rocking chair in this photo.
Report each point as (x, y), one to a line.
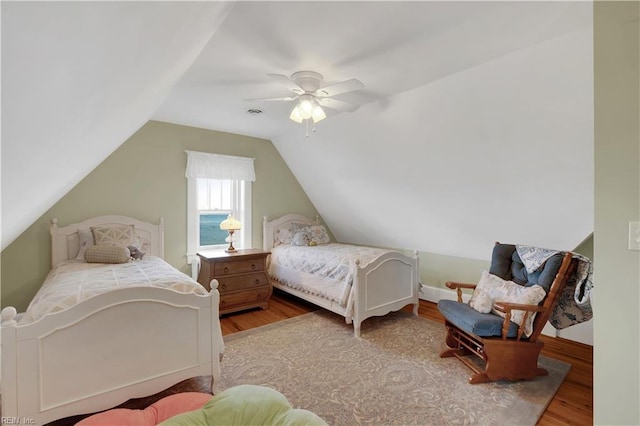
(505, 352)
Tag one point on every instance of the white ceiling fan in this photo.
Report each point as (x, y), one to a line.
(307, 88)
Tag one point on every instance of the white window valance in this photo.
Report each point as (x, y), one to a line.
(215, 166)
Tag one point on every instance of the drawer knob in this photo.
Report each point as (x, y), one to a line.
(253, 266)
(222, 303)
(223, 286)
(257, 280)
(226, 270)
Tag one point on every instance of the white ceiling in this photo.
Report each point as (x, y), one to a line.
(196, 63)
(391, 47)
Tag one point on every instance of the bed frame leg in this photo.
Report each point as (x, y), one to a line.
(356, 329)
(415, 308)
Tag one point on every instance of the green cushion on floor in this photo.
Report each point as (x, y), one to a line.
(246, 405)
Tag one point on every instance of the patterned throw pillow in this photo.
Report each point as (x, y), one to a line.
(107, 254)
(498, 290)
(114, 235)
(318, 234)
(282, 236)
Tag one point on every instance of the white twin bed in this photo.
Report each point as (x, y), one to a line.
(117, 332)
(353, 281)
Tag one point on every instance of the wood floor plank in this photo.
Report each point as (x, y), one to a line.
(572, 404)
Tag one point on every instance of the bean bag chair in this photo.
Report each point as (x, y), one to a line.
(246, 405)
(152, 415)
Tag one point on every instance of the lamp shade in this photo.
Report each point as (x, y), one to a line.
(295, 115)
(318, 114)
(230, 224)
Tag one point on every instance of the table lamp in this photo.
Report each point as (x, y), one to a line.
(231, 225)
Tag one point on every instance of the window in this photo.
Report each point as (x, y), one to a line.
(217, 199)
(217, 186)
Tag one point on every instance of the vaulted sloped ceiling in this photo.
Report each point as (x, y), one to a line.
(476, 120)
(78, 79)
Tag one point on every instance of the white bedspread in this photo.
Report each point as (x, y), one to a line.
(325, 270)
(69, 283)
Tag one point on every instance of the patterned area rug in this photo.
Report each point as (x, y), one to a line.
(392, 375)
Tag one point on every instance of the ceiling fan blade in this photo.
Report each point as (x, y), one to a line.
(339, 105)
(336, 89)
(288, 83)
(287, 98)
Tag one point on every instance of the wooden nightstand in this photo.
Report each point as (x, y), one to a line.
(242, 278)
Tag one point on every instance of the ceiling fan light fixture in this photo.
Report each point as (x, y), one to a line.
(318, 114)
(295, 115)
(306, 108)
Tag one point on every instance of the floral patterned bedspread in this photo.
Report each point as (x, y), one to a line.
(69, 283)
(335, 262)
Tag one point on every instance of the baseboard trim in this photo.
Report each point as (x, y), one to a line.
(433, 294)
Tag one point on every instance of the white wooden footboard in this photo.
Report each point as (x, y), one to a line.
(388, 284)
(123, 344)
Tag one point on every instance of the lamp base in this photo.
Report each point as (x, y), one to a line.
(231, 248)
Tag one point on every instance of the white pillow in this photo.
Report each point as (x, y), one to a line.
(301, 238)
(85, 240)
(491, 287)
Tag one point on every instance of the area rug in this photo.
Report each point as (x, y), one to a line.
(392, 375)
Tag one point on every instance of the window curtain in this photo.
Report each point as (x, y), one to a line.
(216, 166)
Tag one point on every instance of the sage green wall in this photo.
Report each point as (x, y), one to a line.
(144, 178)
(436, 269)
(617, 202)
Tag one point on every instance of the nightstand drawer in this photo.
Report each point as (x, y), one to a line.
(238, 267)
(245, 298)
(241, 282)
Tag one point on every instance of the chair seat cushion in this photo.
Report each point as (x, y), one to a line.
(468, 319)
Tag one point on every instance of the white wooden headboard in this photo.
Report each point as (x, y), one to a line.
(65, 241)
(269, 228)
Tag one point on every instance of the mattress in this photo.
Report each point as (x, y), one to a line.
(71, 282)
(325, 270)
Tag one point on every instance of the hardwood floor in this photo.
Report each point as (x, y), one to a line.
(572, 404)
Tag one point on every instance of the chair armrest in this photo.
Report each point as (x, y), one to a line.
(458, 287)
(506, 308)
(454, 285)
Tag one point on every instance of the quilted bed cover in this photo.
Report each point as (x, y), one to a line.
(69, 283)
(325, 270)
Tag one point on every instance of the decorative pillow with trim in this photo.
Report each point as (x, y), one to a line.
(282, 236)
(114, 235)
(495, 289)
(107, 254)
(318, 234)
